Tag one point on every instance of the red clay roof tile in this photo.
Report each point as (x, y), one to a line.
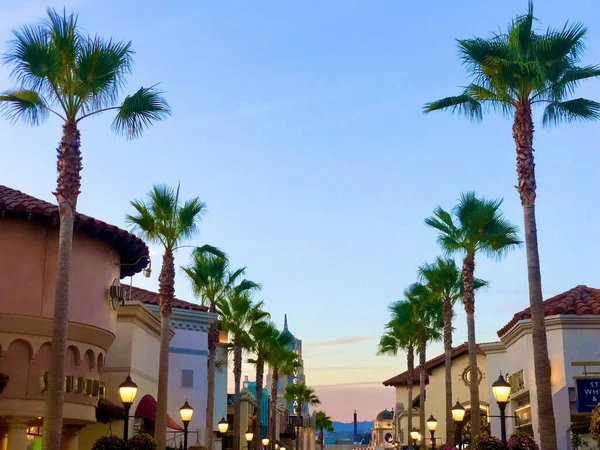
(151, 298)
(132, 249)
(581, 300)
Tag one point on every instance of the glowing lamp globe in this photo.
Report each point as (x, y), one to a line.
(249, 436)
(223, 426)
(265, 441)
(431, 423)
(414, 434)
(186, 412)
(501, 390)
(127, 391)
(458, 412)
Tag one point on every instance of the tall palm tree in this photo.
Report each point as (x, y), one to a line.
(423, 309)
(401, 334)
(512, 72)
(264, 337)
(444, 279)
(300, 394)
(161, 219)
(323, 422)
(238, 314)
(478, 226)
(211, 280)
(60, 71)
(282, 361)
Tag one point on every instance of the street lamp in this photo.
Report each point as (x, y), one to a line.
(249, 437)
(458, 415)
(186, 412)
(127, 392)
(414, 435)
(265, 442)
(501, 390)
(432, 425)
(223, 426)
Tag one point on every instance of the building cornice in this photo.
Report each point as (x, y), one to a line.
(186, 319)
(557, 322)
(138, 313)
(490, 348)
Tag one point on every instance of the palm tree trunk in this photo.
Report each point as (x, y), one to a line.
(523, 136)
(260, 369)
(237, 376)
(422, 360)
(468, 271)
(321, 438)
(274, 385)
(447, 314)
(166, 294)
(67, 191)
(213, 343)
(410, 363)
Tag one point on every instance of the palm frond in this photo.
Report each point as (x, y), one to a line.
(189, 216)
(558, 44)
(464, 105)
(100, 71)
(579, 109)
(23, 104)
(64, 37)
(520, 33)
(139, 111)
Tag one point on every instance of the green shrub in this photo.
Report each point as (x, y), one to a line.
(595, 424)
(109, 443)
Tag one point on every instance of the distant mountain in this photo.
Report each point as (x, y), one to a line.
(346, 430)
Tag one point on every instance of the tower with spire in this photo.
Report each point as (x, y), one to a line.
(297, 377)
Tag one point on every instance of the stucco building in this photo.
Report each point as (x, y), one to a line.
(108, 338)
(382, 433)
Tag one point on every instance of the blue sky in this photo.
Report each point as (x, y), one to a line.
(300, 125)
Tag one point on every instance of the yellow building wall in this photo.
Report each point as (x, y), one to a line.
(436, 396)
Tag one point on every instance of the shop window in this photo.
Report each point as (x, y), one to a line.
(187, 378)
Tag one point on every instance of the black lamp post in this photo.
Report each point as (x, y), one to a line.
(414, 435)
(501, 390)
(127, 392)
(432, 425)
(186, 412)
(458, 415)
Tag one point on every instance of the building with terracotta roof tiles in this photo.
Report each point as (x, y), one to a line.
(114, 331)
(435, 403)
(573, 332)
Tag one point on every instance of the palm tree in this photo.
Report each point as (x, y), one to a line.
(211, 280)
(402, 336)
(238, 314)
(163, 220)
(282, 361)
(444, 279)
(477, 227)
(60, 71)
(512, 72)
(264, 337)
(323, 422)
(299, 394)
(423, 310)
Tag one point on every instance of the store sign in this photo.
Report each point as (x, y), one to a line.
(79, 385)
(588, 394)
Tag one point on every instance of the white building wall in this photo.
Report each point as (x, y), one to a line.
(188, 351)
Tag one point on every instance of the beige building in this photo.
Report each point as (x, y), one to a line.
(382, 433)
(435, 403)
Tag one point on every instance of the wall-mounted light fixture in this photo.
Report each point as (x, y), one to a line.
(115, 294)
(147, 271)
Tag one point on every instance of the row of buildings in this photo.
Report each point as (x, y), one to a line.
(114, 332)
(573, 332)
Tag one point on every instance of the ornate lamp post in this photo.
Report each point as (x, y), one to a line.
(186, 412)
(501, 390)
(432, 425)
(127, 392)
(223, 426)
(249, 436)
(265, 442)
(414, 435)
(458, 415)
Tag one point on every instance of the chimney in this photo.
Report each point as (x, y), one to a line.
(355, 426)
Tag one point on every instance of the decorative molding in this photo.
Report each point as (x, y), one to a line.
(188, 351)
(490, 348)
(137, 313)
(557, 322)
(186, 319)
(131, 370)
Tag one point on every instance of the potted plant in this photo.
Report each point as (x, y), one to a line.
(141, 441)
(109, 443)
(521, 441)
(484, 441)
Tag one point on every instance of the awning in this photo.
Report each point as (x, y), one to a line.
(146, 409)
